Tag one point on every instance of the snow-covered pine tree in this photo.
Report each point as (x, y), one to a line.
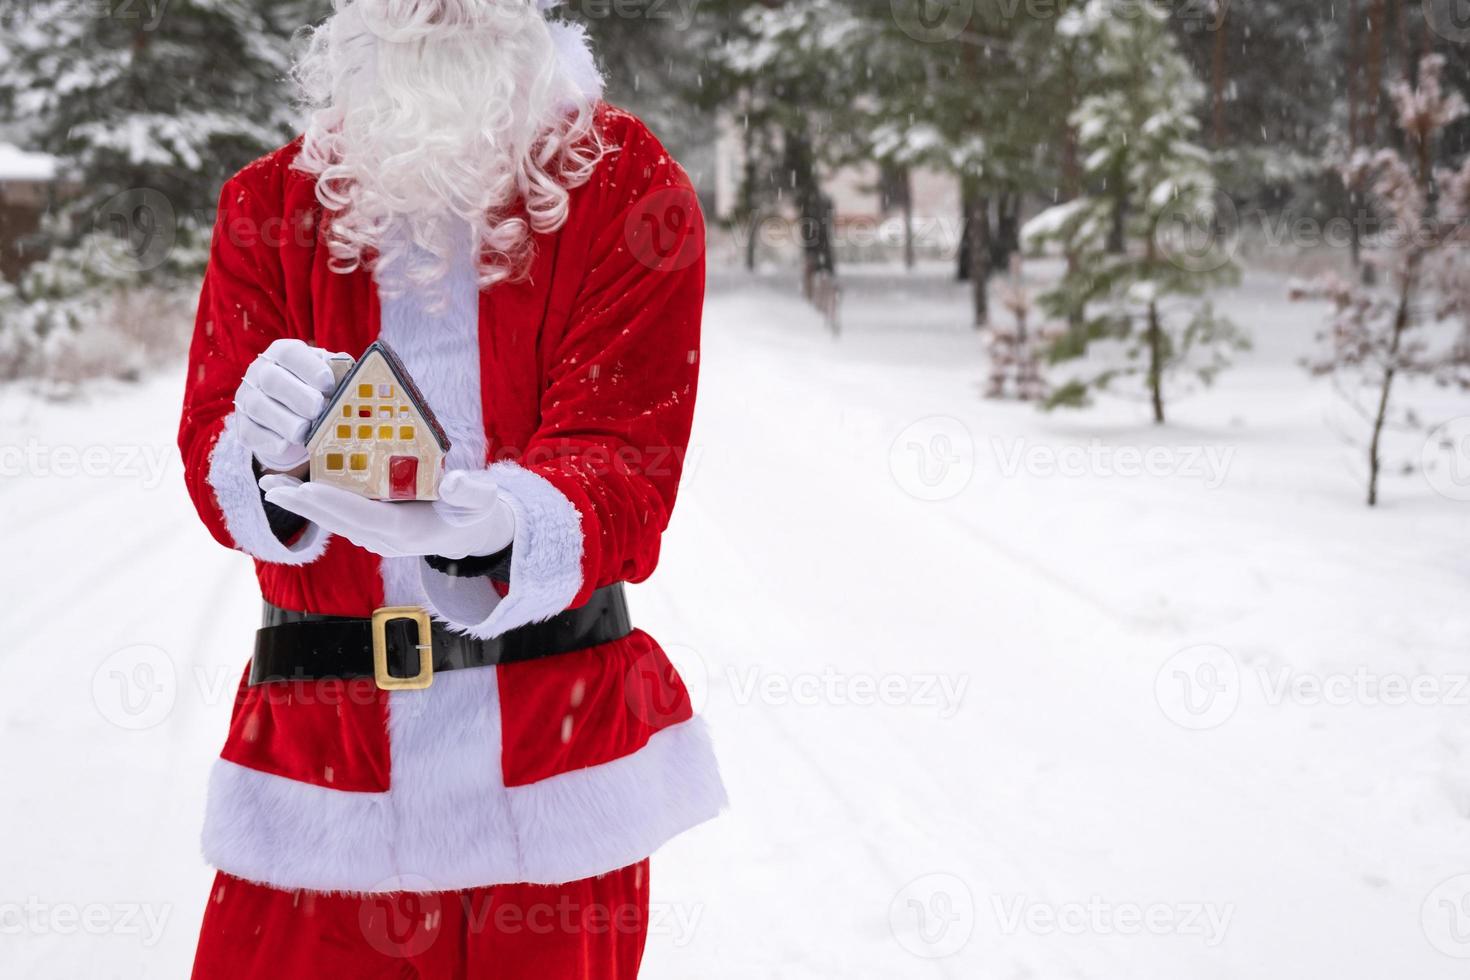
(1377, 336)
(149, 107)
(1135, 290)
(976, 96)
(771, 66)
(168, 98)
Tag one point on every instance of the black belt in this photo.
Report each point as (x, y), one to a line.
(402, 649)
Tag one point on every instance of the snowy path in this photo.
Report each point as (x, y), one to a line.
(957, 693)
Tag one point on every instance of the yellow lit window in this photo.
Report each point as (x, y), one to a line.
(403, 411)
(346, 410)
(344, 432)
(385, 391)
(386, 412)
(364, 391)
(405, 432)
(364, 432)
(385, 432)
(334, 461)
(359, 461)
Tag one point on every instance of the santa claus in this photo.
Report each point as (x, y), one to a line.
(452, 753)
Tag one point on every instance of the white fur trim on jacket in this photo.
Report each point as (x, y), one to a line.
(545, 564)
(574, 53)
(288, 834)
(232, 477)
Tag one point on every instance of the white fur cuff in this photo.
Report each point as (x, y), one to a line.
(232, 477)
(545, 564)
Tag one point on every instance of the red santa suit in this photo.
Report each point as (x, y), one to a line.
(575, 388)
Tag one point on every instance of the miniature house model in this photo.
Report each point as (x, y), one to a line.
(378, 436)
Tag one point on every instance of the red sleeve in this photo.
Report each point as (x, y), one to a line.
(616, 414)
(241, 310)
(593, 490)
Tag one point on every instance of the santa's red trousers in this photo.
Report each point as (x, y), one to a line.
(594, 929)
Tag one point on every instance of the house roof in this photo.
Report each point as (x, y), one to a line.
(400, 373)
(18, 164)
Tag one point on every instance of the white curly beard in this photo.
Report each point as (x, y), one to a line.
(430, 115)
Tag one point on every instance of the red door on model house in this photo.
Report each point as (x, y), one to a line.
(403, 477)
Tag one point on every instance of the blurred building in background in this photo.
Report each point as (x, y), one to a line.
(28, 189)
(870, 221)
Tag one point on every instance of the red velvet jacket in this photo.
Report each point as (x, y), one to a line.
(576, 388)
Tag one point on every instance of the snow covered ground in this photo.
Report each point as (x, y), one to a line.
(998, 694)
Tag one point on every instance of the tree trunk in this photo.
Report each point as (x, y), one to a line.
(1380, 417)
(749, 198)
(1355, 235)
(1350, 76)
(908, 230)
(962, 254)
(1373, 87)
(1406, 47)
(813, 208)
(1071, 166)
(903, 189)
(1118, 190)
(1007, 238)
(1156, 361)
(1400, 324)
(980, 258)
(1217, 77)
(896, 190)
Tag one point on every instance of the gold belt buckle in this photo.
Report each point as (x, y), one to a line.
(425, 645)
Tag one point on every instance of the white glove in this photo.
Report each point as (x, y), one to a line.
(469, 518)
(284, 390)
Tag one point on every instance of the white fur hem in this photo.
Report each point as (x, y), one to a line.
(545, 565)
(232, 477)
(288, 834)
